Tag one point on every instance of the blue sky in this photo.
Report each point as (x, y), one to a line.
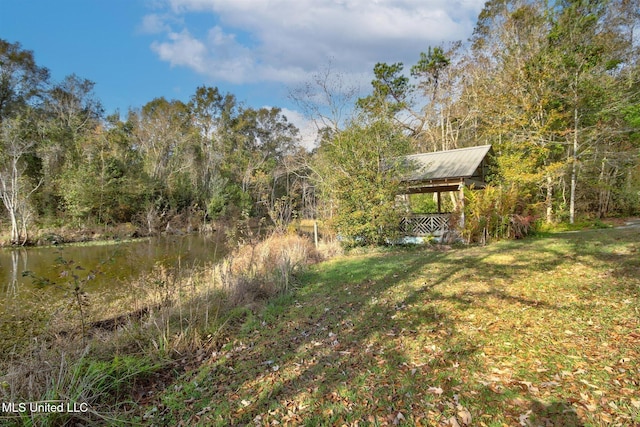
(137, 50)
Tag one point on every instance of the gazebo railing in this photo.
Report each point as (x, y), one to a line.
(425, 224)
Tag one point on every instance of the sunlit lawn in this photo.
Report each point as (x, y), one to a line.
(534, 332)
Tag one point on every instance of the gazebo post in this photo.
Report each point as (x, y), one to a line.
(439, 209)
(461, 199)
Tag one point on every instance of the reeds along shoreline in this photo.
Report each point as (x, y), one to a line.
(171, 316)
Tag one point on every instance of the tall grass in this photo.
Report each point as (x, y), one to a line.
(72, 377)
(171, 318)
(266, 268)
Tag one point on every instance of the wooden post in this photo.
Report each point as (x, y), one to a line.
(315, 233)
(439, 203)
(461, 199)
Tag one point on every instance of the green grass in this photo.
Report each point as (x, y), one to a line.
(579, 225)
(542, 330)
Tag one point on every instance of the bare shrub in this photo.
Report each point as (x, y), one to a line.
(264, 269)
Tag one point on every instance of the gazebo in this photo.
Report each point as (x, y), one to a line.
(440, 172)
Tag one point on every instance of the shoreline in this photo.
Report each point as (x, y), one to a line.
(100, 235)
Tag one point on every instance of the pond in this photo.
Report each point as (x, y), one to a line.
(47, 271)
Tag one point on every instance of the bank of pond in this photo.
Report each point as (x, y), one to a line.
(36, 279)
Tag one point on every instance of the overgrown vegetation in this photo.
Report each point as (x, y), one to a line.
(166, 165)
(361, 181)
(497, 212)
(528, 332)
(169, 321)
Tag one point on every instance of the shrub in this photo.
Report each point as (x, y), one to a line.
(361, 180)
(497, 212)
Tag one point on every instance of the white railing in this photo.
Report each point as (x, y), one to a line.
(425, 224)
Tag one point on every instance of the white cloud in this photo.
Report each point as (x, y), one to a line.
(154, 24)
(308, 130)
(285, 40)
(183, 49)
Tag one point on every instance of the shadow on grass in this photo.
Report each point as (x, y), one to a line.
(616, 249)
(363, 341)
(345, 362)
(330, 354)
(344, 354)
(560, 414)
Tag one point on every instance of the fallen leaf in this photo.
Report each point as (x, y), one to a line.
(589, 384)
(524, 419)
(399, 417)
(204, 411)
(464, 415)
(550, 384)
(527, 385)
(519, 402)
(435, 390)
(452, 422)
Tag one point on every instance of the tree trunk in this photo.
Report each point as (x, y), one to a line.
(574, 167)
(15, 237)
(549, 199)
(9, 195)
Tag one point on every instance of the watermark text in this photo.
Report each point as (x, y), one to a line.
(43, 407)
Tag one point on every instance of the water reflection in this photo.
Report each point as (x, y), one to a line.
(12, 286)
(24, 271)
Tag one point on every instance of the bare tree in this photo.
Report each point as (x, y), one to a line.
(327, 99)
(14, 186)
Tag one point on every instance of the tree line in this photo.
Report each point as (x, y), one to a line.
(63, 161)
(552, 85)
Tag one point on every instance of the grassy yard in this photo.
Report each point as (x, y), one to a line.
(535, 332)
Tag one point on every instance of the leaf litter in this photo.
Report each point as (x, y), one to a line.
(428, 338)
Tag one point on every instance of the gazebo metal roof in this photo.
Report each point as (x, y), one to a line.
(446, 170)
